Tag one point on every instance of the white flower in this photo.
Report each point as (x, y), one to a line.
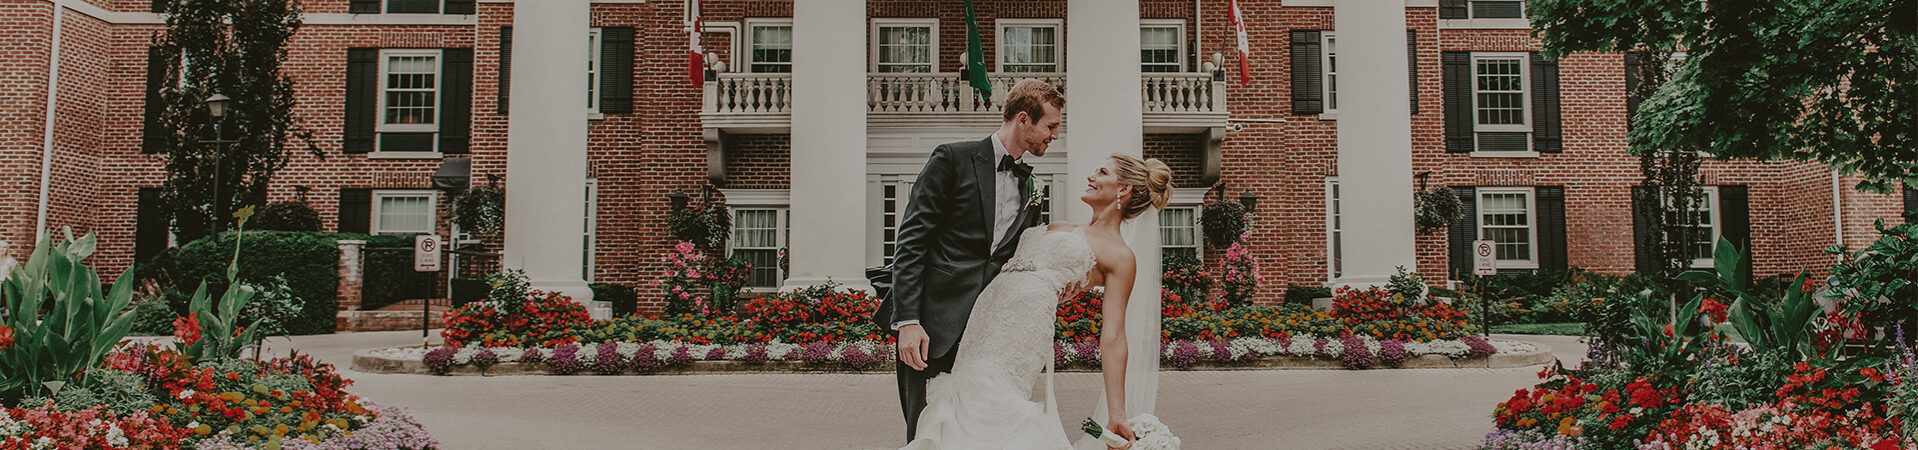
(465, 355)
(116, 437)
(588, 353)
(509, 354)
(44, 442)
(186, 394)
(627, 349)
(1301, 345)
(1334, 346)
(778, 351)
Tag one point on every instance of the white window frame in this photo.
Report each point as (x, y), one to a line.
(593, 45)
(777, 200)
(1709, 203)
(589, 246)
(1525, 105)
(432, 208)
(753, 25)
(1328, 66)
(1179, 25)
(1531, 223)
(1058, 41)
(439, 92)
(872, 47)
(1193, 199)
(1334, 229)
(902, 193)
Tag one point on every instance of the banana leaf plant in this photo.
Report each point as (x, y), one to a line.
(61, 321)
(1766, 324)
(222, 340)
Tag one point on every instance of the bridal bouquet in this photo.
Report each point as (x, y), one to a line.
(1152, 434)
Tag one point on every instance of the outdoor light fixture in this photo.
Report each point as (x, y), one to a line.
(1250, 200)
(678, 199)
(965, 67)
(216, 105)
(1218, 66)
(712, 60)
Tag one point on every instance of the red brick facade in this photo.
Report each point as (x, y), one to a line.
(639, 158)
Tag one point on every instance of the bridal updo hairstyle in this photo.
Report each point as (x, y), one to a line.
(1150, 176)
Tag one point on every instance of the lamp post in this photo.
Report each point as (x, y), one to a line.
(712, 62)
(216, 106)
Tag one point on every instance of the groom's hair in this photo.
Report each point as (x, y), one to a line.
(1030, 96)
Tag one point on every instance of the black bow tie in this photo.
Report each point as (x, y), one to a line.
(1019, 169)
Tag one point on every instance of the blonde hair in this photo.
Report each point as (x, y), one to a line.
(1150, 177)
(1030, 96)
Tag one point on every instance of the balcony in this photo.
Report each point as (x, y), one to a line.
(752, 103)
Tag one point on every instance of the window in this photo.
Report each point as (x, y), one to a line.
(592, 70)
(1179, 231)
(1498, 9)
(410, 90)
(1331, 66)
(1505, 218)
(1029, 46)
(1161, 46)
(1500, 105)
(772, 47)
(1702, 227)
(892, 209)
(591, 235)
(904, 45)
(1045, 197)
(759, 236)
(1335, 224)
(404, 212)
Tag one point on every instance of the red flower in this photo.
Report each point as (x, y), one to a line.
(1714, 309)
(6, 338)
(186, 330)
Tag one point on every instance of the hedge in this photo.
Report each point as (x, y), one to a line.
(309, 261)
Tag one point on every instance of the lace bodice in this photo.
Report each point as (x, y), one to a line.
(1058, 256)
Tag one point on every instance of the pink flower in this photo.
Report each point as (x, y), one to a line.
(684, 247)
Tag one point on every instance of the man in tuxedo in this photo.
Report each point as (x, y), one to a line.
(960, 225)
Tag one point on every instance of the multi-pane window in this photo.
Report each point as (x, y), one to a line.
(403, 212)
(1697, 226)
(1505, 218)
(772, 48)
(1335, 222)
(1498, 9)
(903, 46)
(410, 90)
(592, 70)
(1026, 46)
(1331, 73)
(892, 208)
(1499, 104)
(758, 237)
(591, 234)
(1179, 231)
(1159, 48)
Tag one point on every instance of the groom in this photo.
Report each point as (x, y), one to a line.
(961, 224)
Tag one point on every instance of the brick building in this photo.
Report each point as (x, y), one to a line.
(394, 88)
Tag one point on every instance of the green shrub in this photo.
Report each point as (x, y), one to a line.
(308, 261)
(123, 393)
(152, 317)
(1299, 294)
(81, 322)
(286, 216)
(625, 299)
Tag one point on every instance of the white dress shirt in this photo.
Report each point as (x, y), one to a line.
(1006, 193)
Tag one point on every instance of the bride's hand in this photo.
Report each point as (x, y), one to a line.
(1118, 426)
(1071, 290)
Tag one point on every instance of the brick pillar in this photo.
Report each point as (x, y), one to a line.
(352, 276)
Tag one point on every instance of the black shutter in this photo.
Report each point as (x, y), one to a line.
(1412, 66)
(413, 6)
(150, 226)
(160, 75)
(459, 6)
(505, 66)
(1644, 206)
(363, 7)
(1911, 200)
(1457, 74)
(1454, 9)
(456, 100)
(1634, 67)
(356, 210)
(1463, 231)
(1308, 75)
(616, 70)
(362, 98)
(159, 6)
(1546, 135)
(1734, 220)
(1551, 227)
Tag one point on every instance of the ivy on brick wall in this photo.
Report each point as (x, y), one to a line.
(233, 48)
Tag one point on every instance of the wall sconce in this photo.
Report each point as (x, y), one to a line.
(1250, 200)
(712, 59)
(678, 199)
(1218, 66)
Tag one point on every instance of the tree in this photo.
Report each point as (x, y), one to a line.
(234, 48)
(1830, 81)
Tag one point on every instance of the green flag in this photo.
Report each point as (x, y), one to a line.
(975, 54)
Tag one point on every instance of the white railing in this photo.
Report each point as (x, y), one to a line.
(906, 93)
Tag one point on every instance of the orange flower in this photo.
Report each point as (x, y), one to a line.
(6, 338)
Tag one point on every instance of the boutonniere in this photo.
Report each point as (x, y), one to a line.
(1032, 197)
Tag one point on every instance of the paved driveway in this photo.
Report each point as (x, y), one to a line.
(1306, 409)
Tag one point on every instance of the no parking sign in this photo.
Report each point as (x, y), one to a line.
(1483, 261)
(426, 253)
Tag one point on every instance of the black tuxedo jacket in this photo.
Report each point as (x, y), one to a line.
(944, 255)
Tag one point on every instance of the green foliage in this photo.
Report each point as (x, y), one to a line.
(1187, 276)
(121, 392)
(481, 210)
(274, 306)
(1735, 377)
(1406, 284)
(286, 216)
(1224, 222)
(1435, 209)
(625, 299)
(1558, 329)
(222, 336)
(1829, 80)
(152, 317)
(707, 224)
(1299, 294)
(1872, 277)
(61, 321)
(309, 262)
(1784, 324)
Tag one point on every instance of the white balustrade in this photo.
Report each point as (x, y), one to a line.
(909, 93)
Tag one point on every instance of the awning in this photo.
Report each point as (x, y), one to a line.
(454, 173)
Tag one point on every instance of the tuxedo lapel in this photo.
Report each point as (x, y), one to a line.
(982, 167)
(1019, 222)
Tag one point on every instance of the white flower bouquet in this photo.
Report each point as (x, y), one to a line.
(1152, 434)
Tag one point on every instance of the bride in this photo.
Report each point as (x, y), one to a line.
(985, 402)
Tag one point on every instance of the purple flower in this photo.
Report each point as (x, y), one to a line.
(1184, 355)
(1392, 353)
(1059, 355)
(646, 359)
(532, 355)
(1480, 348)
(1355, 354)
(856, 358)
(440, 360)
(607, 360)
(681, 357)
(1220, 351)
(756, 353)
(817, 353)
(565, 360)
(392, 428)
(484, 359)
(1086, 351)
(717, 353)
(1318, 349)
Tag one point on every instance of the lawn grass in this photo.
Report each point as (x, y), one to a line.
(1563, 328)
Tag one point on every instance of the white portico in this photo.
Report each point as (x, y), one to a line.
(1375, 141)
(546, 152)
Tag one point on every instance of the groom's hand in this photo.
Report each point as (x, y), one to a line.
(912, 346)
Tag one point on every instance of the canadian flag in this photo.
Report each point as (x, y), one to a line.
(695, 68)
(1245, 48)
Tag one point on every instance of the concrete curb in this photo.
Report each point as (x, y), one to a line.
(365, 361)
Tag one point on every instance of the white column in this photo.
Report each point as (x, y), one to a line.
(828, 144)
(1103, 99)
(546, 147)
(1375, 141)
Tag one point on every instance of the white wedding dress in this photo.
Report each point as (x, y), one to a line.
(985, 402)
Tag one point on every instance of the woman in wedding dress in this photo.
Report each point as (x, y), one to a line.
(985, 402)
